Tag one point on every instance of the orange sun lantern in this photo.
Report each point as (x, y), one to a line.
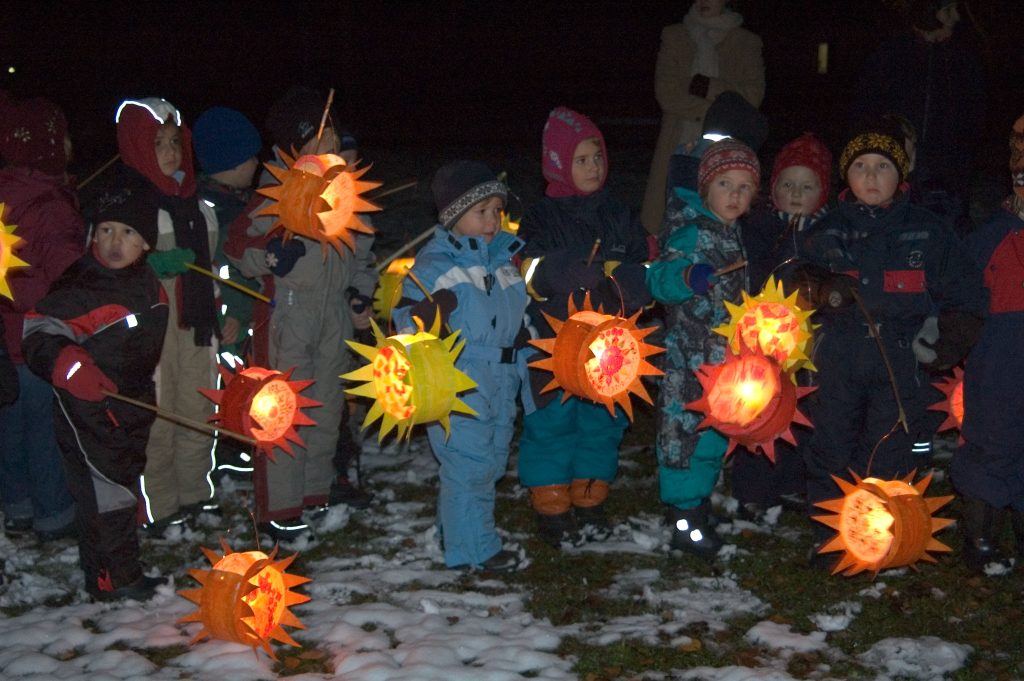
(319, 198)
(598, 357)
(8, 261)
(411, 379)
(245, 598)
(773, 324)
(883, 524)
(508, 224)
(953, 388)
(748, 399)
(264, 405)
(389, 288)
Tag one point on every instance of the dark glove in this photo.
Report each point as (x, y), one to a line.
(942, 343)
(822, 287)
(281, 256)
(700, 278)
(170, 262)
(444, 303)
(76, 372)
(631, 278)
(360, 303)
(565, 271)
(699, 85)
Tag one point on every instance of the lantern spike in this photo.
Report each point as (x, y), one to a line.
(935, 503)
(921, 484)
(196, 596)
(845, 486)
(289, 619)
(832, 521)
(941, 524)
(936, 545)
(925, 557)
(201, 635)
(212, 555)
(834, 505)
(769, 447)
(848, 560)
(279, 634)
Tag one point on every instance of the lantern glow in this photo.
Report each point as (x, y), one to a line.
(953, 404)
(8, 260)
(389, 287)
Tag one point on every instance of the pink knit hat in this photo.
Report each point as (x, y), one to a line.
(724, 155)
(808, 151)
(564, 130)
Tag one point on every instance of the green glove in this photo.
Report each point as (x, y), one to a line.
(172, 262)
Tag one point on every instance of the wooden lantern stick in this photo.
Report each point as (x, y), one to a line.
(327, 110)
(593, 251)
(99, 171)
(232, 284)
(177, 418)
(739, 264)
(394, 190)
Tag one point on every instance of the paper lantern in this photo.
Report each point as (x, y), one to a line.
(8, 261)
(773, 324)
(508, 224)
(883, 524)
(319, 198)
(953, 404)
(411, 379)
(389, 288)
(264, 405)
(245, 598)
(598, 357)
(750, 400)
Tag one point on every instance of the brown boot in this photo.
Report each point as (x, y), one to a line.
(588, 497)
(555, 524)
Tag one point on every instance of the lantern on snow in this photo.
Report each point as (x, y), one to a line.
(319, 198)
(773, 324)
(597, 356)
(389, 287)
(750, 400)
(883, 524)
(245, 598)
(953, 406)
(264, 405)
(411, 379)
(8, 261)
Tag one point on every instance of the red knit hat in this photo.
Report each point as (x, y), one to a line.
(32, 135)
(806, 150)
(564, 130)
(1017, 157)
(137, 123)
(724, 155)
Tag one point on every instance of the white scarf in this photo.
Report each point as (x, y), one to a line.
(706, 34)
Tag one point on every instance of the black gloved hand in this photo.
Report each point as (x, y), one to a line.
(958, 332)
(281, 256)
(823, 288)
(631, 280)
(565, 271)
(699, 85)
(444, 303)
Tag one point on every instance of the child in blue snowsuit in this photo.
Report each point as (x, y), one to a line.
(478, 292)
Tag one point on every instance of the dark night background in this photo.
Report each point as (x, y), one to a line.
(427, 75)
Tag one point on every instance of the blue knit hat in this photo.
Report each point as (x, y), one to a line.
(224, 138)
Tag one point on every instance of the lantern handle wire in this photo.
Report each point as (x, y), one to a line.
(232, 284)
(185, 421)
(873, 329)
(387, 261)
(323, 118)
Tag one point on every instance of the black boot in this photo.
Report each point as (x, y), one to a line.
(981, 552)
(692, 532)
(557, 529)
(592, 523)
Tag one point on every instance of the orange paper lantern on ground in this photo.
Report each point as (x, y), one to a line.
(750, 400)
(245, 598)
(598, 357)
(319, 198)
(8, 261)
(883, 524)
(953, 404)
(264, 405)
(389, 288)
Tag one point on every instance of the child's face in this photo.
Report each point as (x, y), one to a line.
(118, 245)
(797, 190)
(168, 148)
(710, 8)
(729, 194)
(873, 179)
(327, 144)
(483, 219)
(588, 166)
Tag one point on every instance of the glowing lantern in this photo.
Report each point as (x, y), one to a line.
(264, 405)
(319, 198)
(772, 324)
(411, 378)
(748, 399)
(8, 261)
(598, 357)
(953, 405)
(883, 524)
(245, 598)
(389, 288)
(508, 224)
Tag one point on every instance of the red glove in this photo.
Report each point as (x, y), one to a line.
(76, 372)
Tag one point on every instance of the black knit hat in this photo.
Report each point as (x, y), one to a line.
(734, 116)
(137, 208)
(294, 119)
(461, 184)
(881, 137)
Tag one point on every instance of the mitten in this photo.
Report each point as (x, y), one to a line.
(957, 331)
(171, 262)
(631, 278)
(282, 255)
(924, 341)
(699, 85)
(700, 278)
(838, 291)
(444, 303)
(565, 271)
(822, 287)
(76, 372)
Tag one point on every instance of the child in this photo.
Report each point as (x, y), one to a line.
(701, 235)
(100, 330)
(569, 451)
(475, 288)
(8, 372)
(925, 301)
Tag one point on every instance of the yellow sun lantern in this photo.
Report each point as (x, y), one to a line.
(245, 598)
(8, 261)
(773, 324)
(319, 198)
(411, 378)
(508, 224)
(883, 524)
(749, 399)
(953, 406)
(389, 288)
(263, 404)
(598, 357)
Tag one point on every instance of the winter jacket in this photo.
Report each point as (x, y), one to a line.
(8, 372)
(771, 240)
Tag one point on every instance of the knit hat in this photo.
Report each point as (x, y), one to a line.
(294, 119)
(459, 185)
(922, 13)
(563, 131)
(223, 139)
(732, 115)
(725, 155)
(32, 135)
(1017, 157)
(880, 140)
(806, 150)
(138, 208)
(346, 141)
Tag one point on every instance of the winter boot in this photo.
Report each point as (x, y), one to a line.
(555, 524)
(981, 552)
(692, 533)
(588, 497)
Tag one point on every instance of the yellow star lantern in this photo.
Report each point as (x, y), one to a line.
(773, 324)
(389, 288)
(748, 399)
(411, 378)
(8, 261)
(264, 405)
(508, 224)
(245, 598)
(598, 357)
(953, 406)
(883, 524)
(319, 198)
